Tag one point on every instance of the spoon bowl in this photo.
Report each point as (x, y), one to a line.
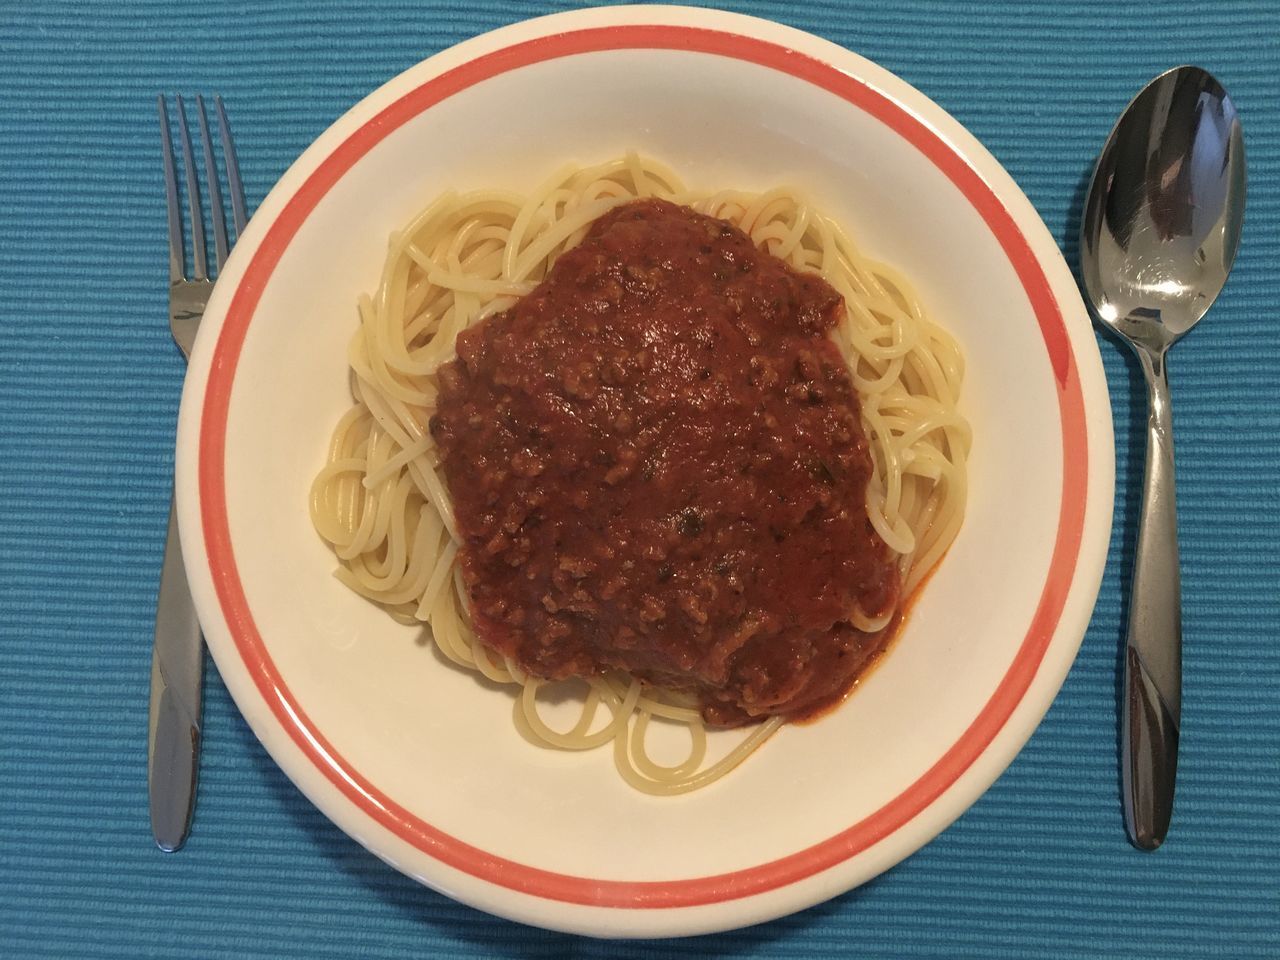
(1162, 221)
(1159, 234)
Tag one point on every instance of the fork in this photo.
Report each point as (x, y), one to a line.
(177, 659)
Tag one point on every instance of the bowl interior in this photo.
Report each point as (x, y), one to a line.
(442, 744)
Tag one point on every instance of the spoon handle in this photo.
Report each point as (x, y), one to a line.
(1153, 649)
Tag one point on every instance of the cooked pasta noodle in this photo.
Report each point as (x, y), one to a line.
(382, 504)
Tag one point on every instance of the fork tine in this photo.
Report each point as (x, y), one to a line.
(198, 268)
(171, 197)
(233, 169)
(215, 188)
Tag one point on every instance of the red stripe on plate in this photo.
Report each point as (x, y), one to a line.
(585, 890)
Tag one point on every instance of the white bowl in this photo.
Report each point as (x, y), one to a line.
(419, 762)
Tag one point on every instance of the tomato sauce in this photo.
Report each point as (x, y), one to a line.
(657, 464)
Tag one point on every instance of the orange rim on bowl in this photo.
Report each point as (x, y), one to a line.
(703, 890)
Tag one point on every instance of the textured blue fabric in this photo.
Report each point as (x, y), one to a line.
(89, 385)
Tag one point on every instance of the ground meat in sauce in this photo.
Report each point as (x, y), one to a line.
(657, 463)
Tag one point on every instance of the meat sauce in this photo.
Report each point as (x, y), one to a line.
(657, 464)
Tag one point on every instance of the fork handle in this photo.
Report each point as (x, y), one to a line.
(1153, 647)
(177, 669)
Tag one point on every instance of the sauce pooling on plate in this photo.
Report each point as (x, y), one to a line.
(657, 464)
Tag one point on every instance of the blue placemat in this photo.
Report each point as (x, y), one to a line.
(89, 385)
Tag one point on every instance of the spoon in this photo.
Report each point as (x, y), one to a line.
(1159, 233)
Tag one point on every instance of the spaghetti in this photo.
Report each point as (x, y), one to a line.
(381, 502)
